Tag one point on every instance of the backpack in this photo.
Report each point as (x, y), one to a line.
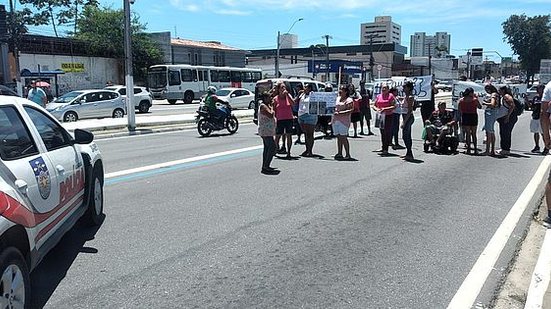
(519, 106)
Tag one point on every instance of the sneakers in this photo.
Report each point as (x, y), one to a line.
(398, 147)
(545, 151)
(536, 149)
(269, 171)
(503, 152)
(282, 150)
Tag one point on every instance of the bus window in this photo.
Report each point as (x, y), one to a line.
(194, 75)
(247, 77)
(174, 78)
(202, 76)
(214, 76)
(186, 75)
(235, 76)
(257, 76)
(224, 76)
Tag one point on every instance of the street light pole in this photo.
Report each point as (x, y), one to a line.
(128, 65)
(278, 46)
(327, 37)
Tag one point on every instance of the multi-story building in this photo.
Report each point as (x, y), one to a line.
(288, 40)
(423, 45)
(381, 31)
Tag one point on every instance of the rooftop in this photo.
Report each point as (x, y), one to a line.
(202, 44)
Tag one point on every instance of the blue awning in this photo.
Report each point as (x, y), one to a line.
(29, 73)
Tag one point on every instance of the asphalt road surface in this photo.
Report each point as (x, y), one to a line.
(214, 232)
(163, 108)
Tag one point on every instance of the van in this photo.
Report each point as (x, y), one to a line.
(291, 83)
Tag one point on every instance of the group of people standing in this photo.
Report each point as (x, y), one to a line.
(275, 119)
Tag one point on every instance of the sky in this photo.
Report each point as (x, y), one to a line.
(253, 24)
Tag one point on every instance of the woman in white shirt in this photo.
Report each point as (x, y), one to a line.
(306, 120)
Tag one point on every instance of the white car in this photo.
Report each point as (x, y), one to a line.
(237, 97)
(82, 104)
(142, 98)
(49, 179)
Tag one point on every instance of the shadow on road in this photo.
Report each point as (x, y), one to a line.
(53, 268)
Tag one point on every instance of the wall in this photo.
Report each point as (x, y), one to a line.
(97, 71)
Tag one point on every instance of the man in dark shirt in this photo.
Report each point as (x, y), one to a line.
(440, 122)
(535, 126)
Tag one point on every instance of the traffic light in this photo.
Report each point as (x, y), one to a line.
(477, 52)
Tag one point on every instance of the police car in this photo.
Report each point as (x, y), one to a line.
(49, 179)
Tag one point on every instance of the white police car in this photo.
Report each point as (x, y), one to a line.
(48, 180)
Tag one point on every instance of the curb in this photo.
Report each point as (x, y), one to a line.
(109, 131)
(539, 283)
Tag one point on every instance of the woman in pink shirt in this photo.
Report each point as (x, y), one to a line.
(283, 106)
(384, 104)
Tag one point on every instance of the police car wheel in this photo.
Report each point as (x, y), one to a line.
(94, 214)
(70, 117)
(15, 282)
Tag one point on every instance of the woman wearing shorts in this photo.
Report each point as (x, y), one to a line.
(356, 114)
(467, 107)
(341, 122)
(491, 102)
(306, 120)
(384, 104)
(283, 105)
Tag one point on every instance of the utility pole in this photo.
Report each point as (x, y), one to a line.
(13, 41)
(128, 64)
(276, 73)
(430, 58)
(469, 64)
(327, 37)
(371, 60)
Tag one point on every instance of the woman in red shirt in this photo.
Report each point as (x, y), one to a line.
(283, 106)
(467, 106)
(384, 104)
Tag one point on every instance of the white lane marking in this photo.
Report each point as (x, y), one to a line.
(540, 277)
(471, 287)
(181, 161)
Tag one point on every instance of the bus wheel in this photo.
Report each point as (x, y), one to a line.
(171, 102)
(188, 97)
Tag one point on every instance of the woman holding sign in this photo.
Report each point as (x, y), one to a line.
(341, 122)
(306, 120)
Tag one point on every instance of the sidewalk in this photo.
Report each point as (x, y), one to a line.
(109, 127)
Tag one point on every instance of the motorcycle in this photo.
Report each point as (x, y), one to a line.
(207, 123)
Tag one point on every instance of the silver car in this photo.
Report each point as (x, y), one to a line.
(82, 104)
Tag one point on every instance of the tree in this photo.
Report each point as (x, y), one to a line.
(530, 39)
(103, 30)
(442, 50)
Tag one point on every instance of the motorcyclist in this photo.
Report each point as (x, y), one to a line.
(210, 103)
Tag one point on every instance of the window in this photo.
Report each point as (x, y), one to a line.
(235, 76)
(224, 76)
(90, 97)
(186, 75)
(114, 95)
(173, 78)
(122, 91)
(137, 90)
(52, 134)
(15, 139)
(247, 77)
(257, 76)
(214, 76)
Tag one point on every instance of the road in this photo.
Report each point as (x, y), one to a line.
(163, 108)
(214, 232)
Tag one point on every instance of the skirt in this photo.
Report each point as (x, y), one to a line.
(469, 120)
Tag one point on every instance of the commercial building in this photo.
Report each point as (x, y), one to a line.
(324, 64)
(423, 45)
(382, 30)
(210, 53)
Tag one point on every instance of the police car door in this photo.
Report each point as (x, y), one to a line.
(30, 171)
(68, 166)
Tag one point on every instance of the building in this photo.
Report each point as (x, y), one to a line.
(381, 31)
(288, 40)
(423, 45)
(209, 53)
(353, 61)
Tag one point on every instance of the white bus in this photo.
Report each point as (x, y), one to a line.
(188, 82)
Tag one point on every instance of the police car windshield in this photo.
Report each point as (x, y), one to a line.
(68, 97)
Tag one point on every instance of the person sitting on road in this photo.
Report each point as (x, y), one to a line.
(441, 122)
(210, 103)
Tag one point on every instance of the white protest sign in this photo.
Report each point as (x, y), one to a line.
(421, 86)
(322, 103)
(459, 87)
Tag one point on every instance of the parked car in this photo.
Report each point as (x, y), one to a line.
(83, 104)
(142, 98)
(237, 97)
(49, 180)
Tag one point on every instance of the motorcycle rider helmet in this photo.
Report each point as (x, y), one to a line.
(211, 90)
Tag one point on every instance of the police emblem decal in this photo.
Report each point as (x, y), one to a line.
(42, 176)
